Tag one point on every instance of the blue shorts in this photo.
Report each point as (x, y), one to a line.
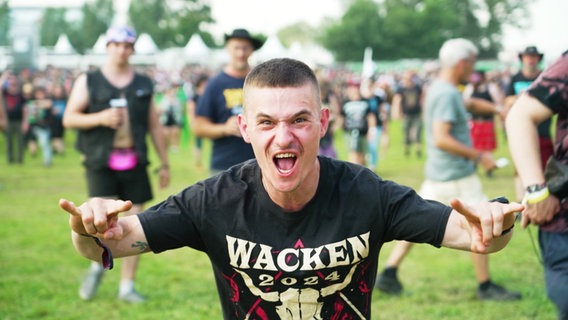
(133, 185)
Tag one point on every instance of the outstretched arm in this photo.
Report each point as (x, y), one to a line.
(484, 228)
(98, 218)
(521, 124)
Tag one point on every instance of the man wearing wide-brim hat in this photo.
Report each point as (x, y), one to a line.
(244, 34)
(531, 51)
(530, 59)
(222, 101)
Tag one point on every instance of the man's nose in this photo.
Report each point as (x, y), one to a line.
(283, 136)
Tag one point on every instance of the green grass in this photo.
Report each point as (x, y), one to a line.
(40, 271)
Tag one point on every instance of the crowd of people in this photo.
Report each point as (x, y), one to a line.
(271, 112)
(34, 101)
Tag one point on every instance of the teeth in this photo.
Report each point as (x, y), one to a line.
(285, 155)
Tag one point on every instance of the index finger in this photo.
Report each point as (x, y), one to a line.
(463, 210)
(119, 206)
(69, 206)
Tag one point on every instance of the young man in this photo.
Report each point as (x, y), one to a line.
(547, 96)
(530, 59)
(359, 121)
(112, 109)
(290, 234)
(14, 104)
(222, 101)
(450, 162)
(409, 98)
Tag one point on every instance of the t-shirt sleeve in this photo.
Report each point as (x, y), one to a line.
(171, 224)
(551, 87)
(413, 218)
(443, 109)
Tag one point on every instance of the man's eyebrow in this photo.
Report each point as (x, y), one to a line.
(297, 114)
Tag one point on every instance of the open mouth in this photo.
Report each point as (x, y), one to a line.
(285, 162)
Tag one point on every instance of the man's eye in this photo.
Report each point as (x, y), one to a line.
(265, 122)
(299, 120)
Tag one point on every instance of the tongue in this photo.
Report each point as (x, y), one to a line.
(285, 163)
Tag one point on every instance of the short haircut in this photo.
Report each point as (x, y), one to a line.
(281, 73)
(455, 50)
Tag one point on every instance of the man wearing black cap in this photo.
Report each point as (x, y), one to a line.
(530, 59)
(221, 102)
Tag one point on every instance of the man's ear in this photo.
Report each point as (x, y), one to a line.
(243, 127)
(324, 121)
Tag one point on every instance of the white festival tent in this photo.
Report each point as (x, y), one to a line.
(63, 46)
(100, 45)
(311, 54)
(170, 59)
(196, 51)
(61, 54)
(145, 45)
(272, 48)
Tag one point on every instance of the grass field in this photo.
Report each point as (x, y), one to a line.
(40, 271)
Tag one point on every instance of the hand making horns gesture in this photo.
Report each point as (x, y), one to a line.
(488, 220)
(97, 217)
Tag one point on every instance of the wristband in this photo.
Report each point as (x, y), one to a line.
(536, 195)
(507, 230)
(107, 254)
(504, 201)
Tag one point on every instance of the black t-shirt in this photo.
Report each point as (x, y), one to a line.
(410, 99)
(320, 262)
(355, 113)
(484, 94)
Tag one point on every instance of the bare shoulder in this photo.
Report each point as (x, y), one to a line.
(81, 81)
(79, 96)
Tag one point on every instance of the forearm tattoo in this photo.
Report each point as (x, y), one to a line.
(143, 246)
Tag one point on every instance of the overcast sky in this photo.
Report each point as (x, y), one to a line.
(549, 22)
(547, 31)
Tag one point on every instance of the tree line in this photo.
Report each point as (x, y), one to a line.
(395, 29)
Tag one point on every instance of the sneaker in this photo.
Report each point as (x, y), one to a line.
(90, 284)
(389, 284)
(497, 293)
(131, 297)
